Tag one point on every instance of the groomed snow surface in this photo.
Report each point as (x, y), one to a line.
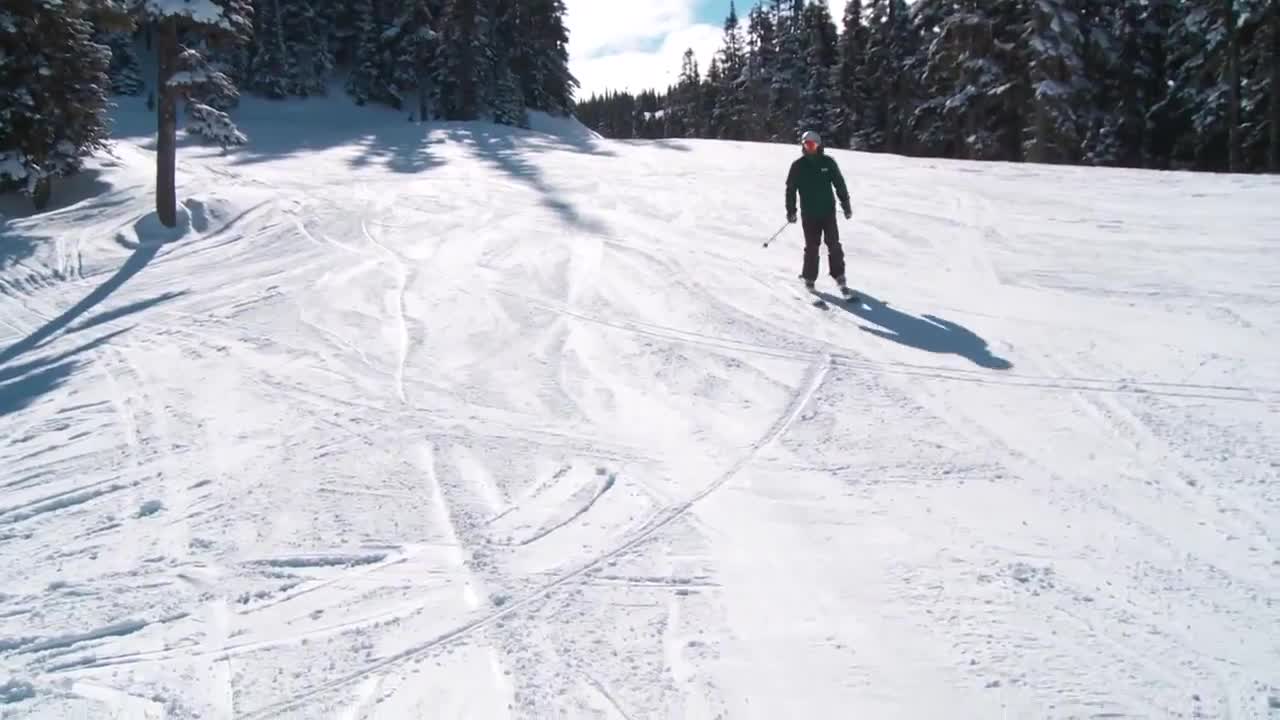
(458, 421)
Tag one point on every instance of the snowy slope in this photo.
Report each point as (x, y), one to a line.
(472, 422)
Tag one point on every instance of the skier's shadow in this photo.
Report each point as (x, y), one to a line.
(927, 332)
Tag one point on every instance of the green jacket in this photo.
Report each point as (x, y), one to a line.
(812, 176)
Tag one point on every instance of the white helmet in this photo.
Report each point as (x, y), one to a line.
(811, 135)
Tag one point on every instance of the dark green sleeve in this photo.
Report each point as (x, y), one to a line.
(791, 189)
(842, 191)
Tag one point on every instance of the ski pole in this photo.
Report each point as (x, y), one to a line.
(775, 235)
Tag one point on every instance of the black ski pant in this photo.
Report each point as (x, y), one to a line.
(816, 231)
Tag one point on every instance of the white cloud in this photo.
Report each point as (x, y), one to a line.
(638, 70)
(615, 45)
(634, 45)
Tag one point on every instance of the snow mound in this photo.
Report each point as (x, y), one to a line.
(568, 128)
(195, 216)
(15, 690)
(148, 231)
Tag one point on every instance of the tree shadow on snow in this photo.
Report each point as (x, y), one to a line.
(21, 385)
(65, 192)
(136, 262)
(401, 147)
(135, 307)
(661, 144)
(14, 248)
(398, 153)
(927, 332)
(501, 150)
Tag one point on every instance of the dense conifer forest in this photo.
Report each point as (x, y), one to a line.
(62, 60)
(1167, 84)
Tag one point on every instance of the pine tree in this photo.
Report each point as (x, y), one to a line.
(1260, 91)
(790, 71)
(820, 101)
(206, 91)
(508, 98)
(124, 70)
(414, 46)
(1162, 121)
(171, 17)
(305, 28)
(53, 93)
(268, 69)
(964, 78)
(1204, 94)
(762, 62)
(464, 67)
(1124, 60)
(682, 114)
(1059, 88)
(889, 50)
(367, 80)
(731, 105)
(541, 57)
(853, 93)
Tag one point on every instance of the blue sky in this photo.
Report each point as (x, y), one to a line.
(715, 11)
(637, 44)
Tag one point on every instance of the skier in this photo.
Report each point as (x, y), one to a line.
(812, 175)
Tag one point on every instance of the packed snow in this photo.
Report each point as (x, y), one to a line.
(457, 420)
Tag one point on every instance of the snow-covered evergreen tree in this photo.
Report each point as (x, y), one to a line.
(1260, 91)
(464, 67)
(414, 40)
(183, 72)
(125, 71)
(790, 74)
(1204, 93)
(963, 78)
(540, 57)
(205, 89)
(761, 68)
(681, 115)
(708, 122)
(507, 98)
(731, 105)
(889, 50)
(820, 108)
(305, 28)
(53, 93)
(367, 81)
(269, 67)
(1059, 87)
(853, 92)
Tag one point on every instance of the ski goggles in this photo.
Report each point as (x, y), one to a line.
(810, 145)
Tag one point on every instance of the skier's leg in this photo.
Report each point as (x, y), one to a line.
(835, 252)
(812, 243)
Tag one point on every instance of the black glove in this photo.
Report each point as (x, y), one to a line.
(791, 217)
(848, 212)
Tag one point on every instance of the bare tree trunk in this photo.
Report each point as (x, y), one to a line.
(167, 115)
(1233, 86)
(44, 190)
(423, 92)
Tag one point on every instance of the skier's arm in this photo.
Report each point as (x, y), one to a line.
(842, 191)
(791, 191)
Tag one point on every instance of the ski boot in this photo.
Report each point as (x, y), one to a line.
(848, 294)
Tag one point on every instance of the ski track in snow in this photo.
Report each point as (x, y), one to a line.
(539, 429)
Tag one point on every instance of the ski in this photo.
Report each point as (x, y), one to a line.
(818, 300)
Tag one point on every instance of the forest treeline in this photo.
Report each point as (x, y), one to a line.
(1167, 84)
